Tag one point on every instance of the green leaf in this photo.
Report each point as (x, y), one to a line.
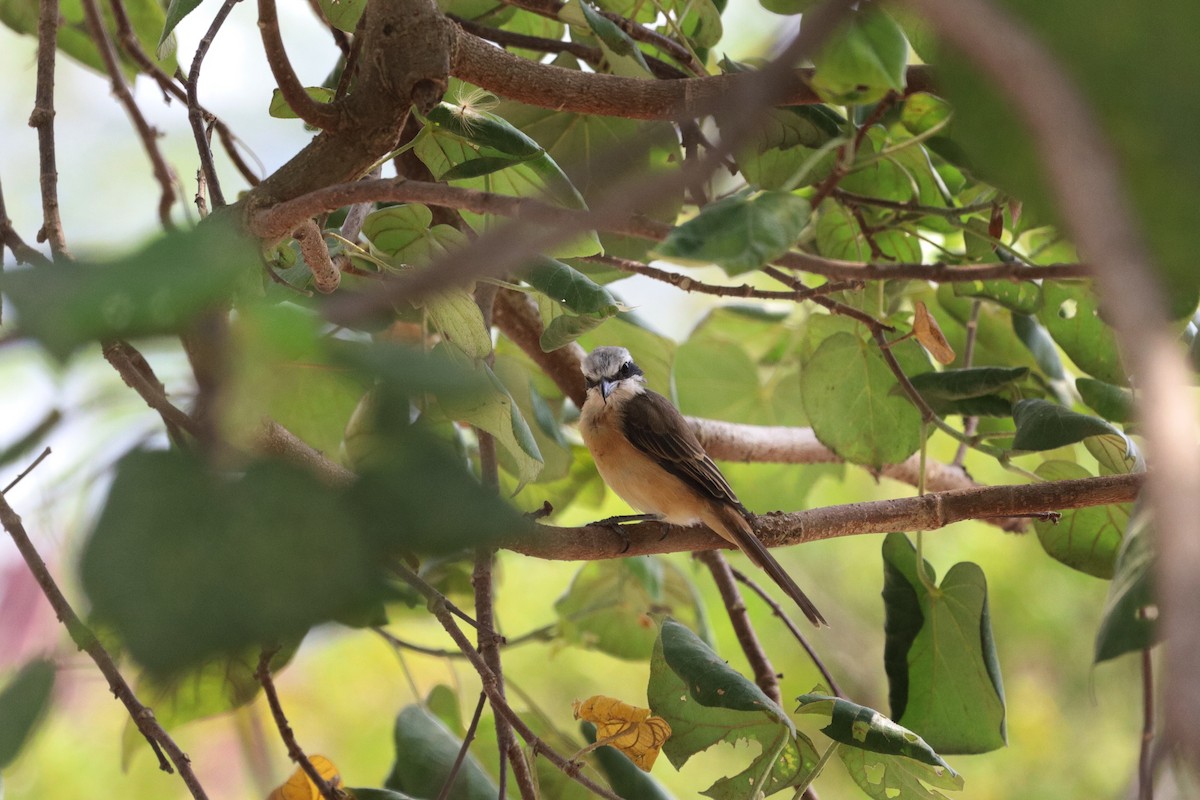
(1086, 539)
(1023, 297)
(1115, 453)
(787, 6)
(621, 53)
(571, 288)
(923, 111)
(739, 233)
(941, 661)
(459, 320)
(405, 235)
(609, 606)
(378, 794)
(847, 388)
(23, 704)
(343, 14)
(566, 328)
(624, 777)
(1042, 425)
(425, 754)
(706, 702)
(863, 61)
(159, 289)
(281, 109)
(893, 778)
(1039, 344)
(1125, 625)
(1111, 402)
(272, 551)
(545, 424)
(863, 728)
(959, 384)
(176, 11)
(1072, 315)
(840, 236)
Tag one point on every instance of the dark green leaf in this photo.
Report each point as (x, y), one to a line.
(847, 390)
(378, 794)
(1086, 539)
(959, 384)
(1042, 425)
(484, 165)
(866, 729)
(281, 109)
(1111, 402)
(739, 233)
(1022, 297)
(625, 778)
(609, 605)
(1072, 315)
(484, 129)
(616, 43)
(863, 61)
(1037, 340)
(706, 702)
(156, 290)
(23, 704)
(272, 553)
(1129, 617)
(425, 753)
(940, 658)
(571, 288)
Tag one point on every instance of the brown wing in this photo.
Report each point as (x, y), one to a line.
(656, 427)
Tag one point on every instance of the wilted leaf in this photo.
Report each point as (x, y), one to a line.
(300, 787)
(929, 334)
(631, 730)
(626, 779)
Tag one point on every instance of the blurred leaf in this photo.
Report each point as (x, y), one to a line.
(706, 703)
(1116, 454)
(425, 753)
(571, 288)
(159, 289)
(1114, 403)
(1072, 316)
(730, 391)
(1042, 425)
(923, 111)
(176, 11)
(863, 61)
(611, 605)
(996, 343)
(739, 233)
(23, 704)
(1037, 340)
(620, 52)
(863, 728)
(378, 794)
(623, 776)
(927, 332)
(442, 702)
(1086, 539)
(146, 17)
(632, 731)
(1130, 611)
(847, 392)
(342, 14)
(405, 235)
(299, 786)
(943, 674)
(1022, 297)
(272, 551)
(544, 424)
(840, 236)
(566, 328)
(281, 109)
(459, 320)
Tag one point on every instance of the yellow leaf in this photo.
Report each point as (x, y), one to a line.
(926, 329)
(299, 787)
(630, 729)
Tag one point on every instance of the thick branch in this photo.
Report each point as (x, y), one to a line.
(547, 86)
(925, 513)
(85, 640)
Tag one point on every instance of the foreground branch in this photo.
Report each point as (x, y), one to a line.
(778, 529)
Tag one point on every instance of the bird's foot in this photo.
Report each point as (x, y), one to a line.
(615, 524)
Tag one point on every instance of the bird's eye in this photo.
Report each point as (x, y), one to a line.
(625, 371)
(591, 384)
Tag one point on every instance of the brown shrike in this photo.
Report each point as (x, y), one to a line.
(646, 452)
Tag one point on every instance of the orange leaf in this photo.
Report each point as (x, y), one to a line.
(926, 329)
(630, 729)
(299, 787)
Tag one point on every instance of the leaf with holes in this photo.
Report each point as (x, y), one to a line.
(863, 61)
(1071, 314)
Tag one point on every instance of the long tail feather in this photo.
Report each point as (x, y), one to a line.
(733, 526)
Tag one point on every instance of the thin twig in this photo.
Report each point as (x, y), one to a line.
(148, 135)
(295, 752)
(778, 611)
(970, 424)
(760, 664)
(12, 240)
(129, 365)
(196, 115)
(439, 605)
(42, 119)
(689, 284)
(462, 751)
(1145, 752)
(41, 457)
(86, 640)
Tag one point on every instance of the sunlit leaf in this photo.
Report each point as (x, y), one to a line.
(281, 109)
(300, 787)
(625, 778)
(1072, 315)
(343, 14)
(927, 331)
(894, 778)
(1022, 297)
(1086, 539)
(865, 728)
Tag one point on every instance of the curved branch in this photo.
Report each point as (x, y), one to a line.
(1085, 176)
(925, 513)
(319, 115)
(547, 86)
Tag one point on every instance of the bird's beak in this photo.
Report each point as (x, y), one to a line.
(606, 388)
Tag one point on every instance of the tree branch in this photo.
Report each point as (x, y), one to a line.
(326, 116)
(196, 113)
(86, 640)
(735, 606)
(12, 240)
(295, 752)
(778, 529)
(42, 119)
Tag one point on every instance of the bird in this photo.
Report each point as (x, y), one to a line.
(647, 453)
